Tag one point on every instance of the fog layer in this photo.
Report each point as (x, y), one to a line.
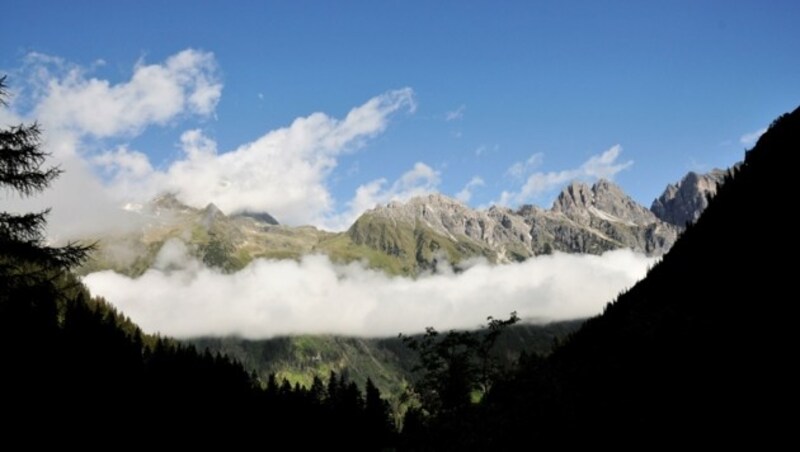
(182, 297)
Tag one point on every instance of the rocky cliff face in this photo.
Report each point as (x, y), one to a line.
(226, 242)
(583, 219)
(415, 236)
(682, 203)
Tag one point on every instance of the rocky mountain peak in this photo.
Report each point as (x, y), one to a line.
(414, 235)
(434, 208)
(683, 202)
(603, 199)
(210, 214)
(432, 200)
(611, 199)
(213, 210)
(167, 201)
(574, 196)
(261, 217)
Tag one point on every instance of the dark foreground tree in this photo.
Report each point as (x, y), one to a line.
(26, 262)
(456, 370)
(33, 275)
(73, 368)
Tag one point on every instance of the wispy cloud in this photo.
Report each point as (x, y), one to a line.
(181, 297)
(749, 139)
(455, 115)
(285, 172)
(418, 181)
(601, 166)
(521, 169)
(485, 149)
(466, 193)
(81, 113)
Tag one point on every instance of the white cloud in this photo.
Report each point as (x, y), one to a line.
(455, 115)
(75, 109)
(284, 172)
(123, 161)
(185, 299)
(466, 193)
(601, 166)
(521, 169)
(186, 82)
(484, 149)
(749, 139)
(81, 205)
(418, 181)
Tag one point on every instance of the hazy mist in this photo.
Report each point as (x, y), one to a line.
(182, 297)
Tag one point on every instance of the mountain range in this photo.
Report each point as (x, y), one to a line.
(403, 238)
(408, 238)
(697, 352)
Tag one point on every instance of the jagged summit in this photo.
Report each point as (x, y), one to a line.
(211, 209)
(407, 237)
(435, 209)
(210, 214)
(605, 199)
(583, 219)
(709, 321)
(261, 217)
(683, 202)
(432, 199)
(576, 195)
(166, 201)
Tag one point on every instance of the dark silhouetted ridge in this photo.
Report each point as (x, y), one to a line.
(701, 348)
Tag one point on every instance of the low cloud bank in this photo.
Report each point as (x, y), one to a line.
(182, 297)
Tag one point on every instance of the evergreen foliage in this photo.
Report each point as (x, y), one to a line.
(25, 261)
(75, 368)
(696, 353)
(699, 351)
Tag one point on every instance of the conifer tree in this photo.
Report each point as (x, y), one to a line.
(26, 261)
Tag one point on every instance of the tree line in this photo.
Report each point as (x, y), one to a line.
(689, 344)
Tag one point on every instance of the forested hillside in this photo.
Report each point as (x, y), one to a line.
(74, 370)
(695, 352)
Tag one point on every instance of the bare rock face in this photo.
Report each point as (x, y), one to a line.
(583, 219)
(261, 217)
(415, 236)
(682, 203)
(603, 199)
(599, 218)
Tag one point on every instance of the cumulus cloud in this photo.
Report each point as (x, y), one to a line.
(81, 205)
(466, 193)
(124, 163)
(418, 181)
(601, 166)
(284, 172)
(155, 94)
(749, 139)
(183, 298)
(79, 113)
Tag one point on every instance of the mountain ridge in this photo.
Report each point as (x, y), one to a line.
(681, 203)
(411, 237)
(696, 350)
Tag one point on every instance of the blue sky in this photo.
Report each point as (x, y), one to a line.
(575, 89)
